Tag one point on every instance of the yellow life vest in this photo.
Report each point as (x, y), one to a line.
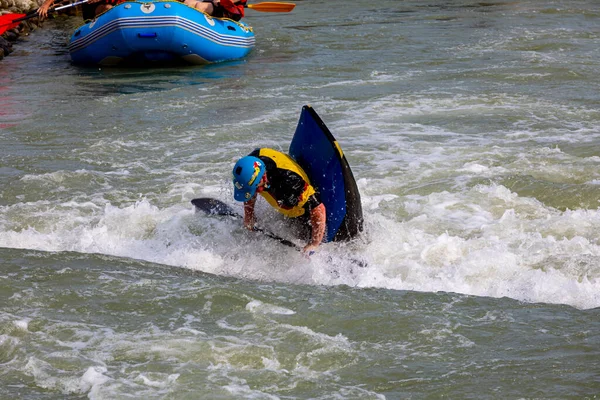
(284, 161)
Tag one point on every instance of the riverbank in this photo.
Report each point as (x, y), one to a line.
(8, 38)
(11, 36)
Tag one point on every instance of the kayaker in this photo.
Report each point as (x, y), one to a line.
(285, 186)
(89, 10)
(232, 9)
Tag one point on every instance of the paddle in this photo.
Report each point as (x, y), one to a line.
(216, 207)
(269, 6)
(10, 21)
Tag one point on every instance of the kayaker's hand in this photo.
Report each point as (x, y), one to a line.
(249, 222)
(309, 249)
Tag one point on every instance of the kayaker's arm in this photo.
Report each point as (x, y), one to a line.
(249, 219)
(318, 220)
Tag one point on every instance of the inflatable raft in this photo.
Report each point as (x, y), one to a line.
(158, 32)
(315, 149)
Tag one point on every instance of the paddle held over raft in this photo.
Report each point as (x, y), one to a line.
(10, 21)
(270, 6)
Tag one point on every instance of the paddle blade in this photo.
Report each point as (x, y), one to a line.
(213, 207)
(7, 21)
(269, 6)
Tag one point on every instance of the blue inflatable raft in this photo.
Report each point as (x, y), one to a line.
(315, 149)
(158, 32)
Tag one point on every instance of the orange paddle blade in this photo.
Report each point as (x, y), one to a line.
(271, 6)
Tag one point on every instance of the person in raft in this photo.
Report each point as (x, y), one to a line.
(232, 9)
(89, 10)
(285, 186)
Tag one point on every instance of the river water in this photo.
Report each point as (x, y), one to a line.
(473, 130)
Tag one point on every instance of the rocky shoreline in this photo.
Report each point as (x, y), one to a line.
(8, 38)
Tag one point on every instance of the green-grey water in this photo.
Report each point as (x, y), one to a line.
(472, 131)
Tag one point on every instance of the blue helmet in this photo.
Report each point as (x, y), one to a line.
(247, 173)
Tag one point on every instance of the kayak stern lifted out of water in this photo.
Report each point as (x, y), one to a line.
(159, 32)
(317, 151)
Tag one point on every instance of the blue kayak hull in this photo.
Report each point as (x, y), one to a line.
(315, 149)
(157, 32)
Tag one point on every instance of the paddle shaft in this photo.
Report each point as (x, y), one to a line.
(216, 207)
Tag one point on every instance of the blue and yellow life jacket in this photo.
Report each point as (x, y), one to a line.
(289, 187)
